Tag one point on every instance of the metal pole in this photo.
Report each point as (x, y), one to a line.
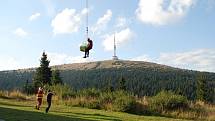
(87, 19)
(114, 45)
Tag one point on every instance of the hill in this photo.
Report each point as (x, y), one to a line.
(111, 64)
(142, 78)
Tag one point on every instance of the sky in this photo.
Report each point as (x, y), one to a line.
(178, 33)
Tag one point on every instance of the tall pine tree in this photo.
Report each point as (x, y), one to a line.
(122, 84)
(43, 73)
(201, 88)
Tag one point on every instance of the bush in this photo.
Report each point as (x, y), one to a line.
(89, 103)
(17, 95)
(29, 89)
(166, 100)
(89, 93)
(68, 95)
(116, 101)
(96, 99)
(62, 91)
(123, 101)
(4, 94)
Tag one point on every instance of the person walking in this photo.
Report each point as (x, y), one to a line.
(39, 98)
(49, 100)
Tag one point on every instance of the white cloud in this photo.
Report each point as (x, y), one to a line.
(20, 32)
(121, 38)
(202, 59)
(8, 63)
(12, 63)
(161, 12)
(102, 22)
(60, 58)
(67, 21)
(34, 16)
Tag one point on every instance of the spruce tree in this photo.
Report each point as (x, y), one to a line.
(56, 79)
(201, 88)
(43, 73)
(122, 84)
(109, 86)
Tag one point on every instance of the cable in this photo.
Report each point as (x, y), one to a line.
(87, 28)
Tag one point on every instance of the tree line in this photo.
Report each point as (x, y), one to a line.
(137, 80)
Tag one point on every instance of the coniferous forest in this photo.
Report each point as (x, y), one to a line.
(140, 78)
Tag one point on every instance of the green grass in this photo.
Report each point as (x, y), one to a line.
(13, 110)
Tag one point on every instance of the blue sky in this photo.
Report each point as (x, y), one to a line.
(178, 33)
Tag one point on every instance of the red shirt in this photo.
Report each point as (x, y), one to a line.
(90, 44)
(40, 94)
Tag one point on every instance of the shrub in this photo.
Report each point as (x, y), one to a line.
(166, 100)
(194, 112)
(62, 91)
(123, 101)
(92, 98)
(116, 101)
(89, 93)
(29, 89)
(139, 108)
(89, 103)
(17, 95)
(69, 95)
(4, 94)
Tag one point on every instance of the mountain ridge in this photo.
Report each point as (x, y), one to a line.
(107, 64)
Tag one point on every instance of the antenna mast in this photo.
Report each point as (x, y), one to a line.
(114, 56)
(114, 46)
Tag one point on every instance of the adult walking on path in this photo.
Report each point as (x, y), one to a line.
(49, 100)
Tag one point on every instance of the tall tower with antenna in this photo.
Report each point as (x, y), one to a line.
(114, 55)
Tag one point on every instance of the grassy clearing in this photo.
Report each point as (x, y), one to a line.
(13, 110)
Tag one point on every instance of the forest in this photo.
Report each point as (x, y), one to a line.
(141, 78)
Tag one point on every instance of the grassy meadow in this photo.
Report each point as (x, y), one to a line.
(21, 110)
(16, 106)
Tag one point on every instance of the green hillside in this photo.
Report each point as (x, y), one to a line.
(142, 78)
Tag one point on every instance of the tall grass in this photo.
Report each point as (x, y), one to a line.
(59, 92)
(15, 94)
(164, 103)
(169, 104)
(167, 100)
(92, 98)
(4, 94)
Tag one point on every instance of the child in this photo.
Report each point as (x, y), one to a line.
(39, 98)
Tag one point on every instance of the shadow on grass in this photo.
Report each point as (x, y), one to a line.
(95, 116)
(8, 114)
(8, 104)
(99, 116)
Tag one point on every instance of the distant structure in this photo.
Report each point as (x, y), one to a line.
(114, 55)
